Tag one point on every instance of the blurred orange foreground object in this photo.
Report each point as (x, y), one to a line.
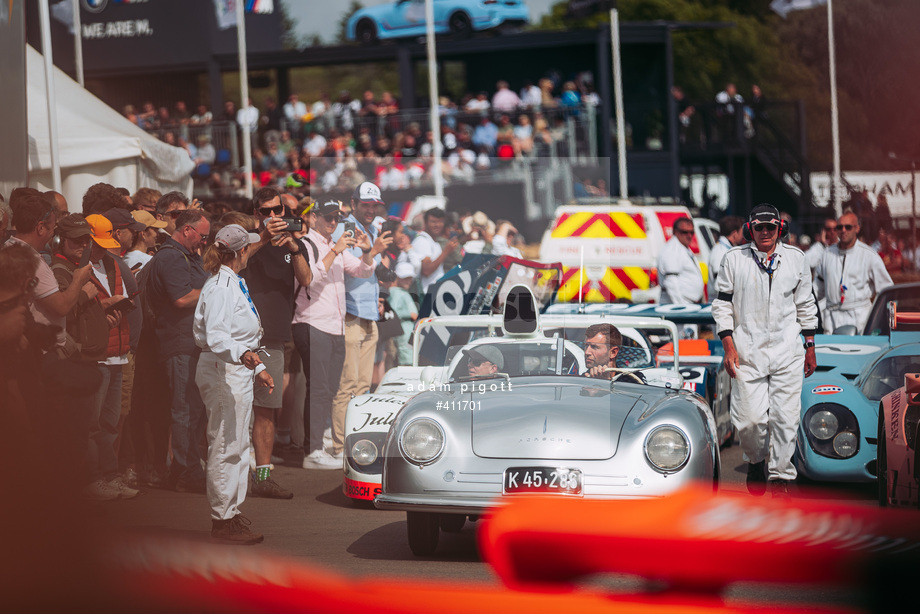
(694, 540)
(156, 575)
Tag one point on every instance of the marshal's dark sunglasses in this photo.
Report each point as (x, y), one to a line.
(765, 227)
(845, 226)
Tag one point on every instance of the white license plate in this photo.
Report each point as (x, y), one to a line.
(559, 480)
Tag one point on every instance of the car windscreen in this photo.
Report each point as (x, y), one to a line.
(887, 375)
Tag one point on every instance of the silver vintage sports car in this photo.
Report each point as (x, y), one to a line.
(472, 439)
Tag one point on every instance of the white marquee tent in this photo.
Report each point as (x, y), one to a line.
(96, 144)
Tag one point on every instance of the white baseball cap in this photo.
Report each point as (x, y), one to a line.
(234, 237)
(367, 192)
(404, 270)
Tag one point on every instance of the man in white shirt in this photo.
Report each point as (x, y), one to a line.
(678, 269)
(294, 110)
(431, 254)
(730, 236)
(502, 242)
(824, 239)
(849, 276)
(315, 146)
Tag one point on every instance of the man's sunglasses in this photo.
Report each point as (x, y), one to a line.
(683, 232)
(845, 227)
(84, 240)
(334, 217)
(765, 227)
(20, 299)
(475, 362)
(277, 210)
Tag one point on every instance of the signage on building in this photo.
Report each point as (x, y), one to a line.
(150, 35)
(895, 187)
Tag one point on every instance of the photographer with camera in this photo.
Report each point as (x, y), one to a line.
(280, 263)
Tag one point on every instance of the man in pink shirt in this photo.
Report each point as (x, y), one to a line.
(319, 322)
(504, 99)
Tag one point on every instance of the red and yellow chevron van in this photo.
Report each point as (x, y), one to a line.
(610, 251)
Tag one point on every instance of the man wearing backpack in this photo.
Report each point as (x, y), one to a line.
(174, 278)
(271, 274)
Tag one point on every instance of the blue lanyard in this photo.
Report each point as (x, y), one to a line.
(248, 298)
(766, 268)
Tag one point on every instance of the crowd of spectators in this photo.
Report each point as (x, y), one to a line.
(372, 137)
(729, 118)
(100, 321)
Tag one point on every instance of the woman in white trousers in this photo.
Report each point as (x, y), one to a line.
(227, 329)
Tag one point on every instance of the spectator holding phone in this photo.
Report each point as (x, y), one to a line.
(277, 264)
(319, 324)
(361, 306)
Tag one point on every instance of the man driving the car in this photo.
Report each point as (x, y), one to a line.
(602, 344)
(483, 360)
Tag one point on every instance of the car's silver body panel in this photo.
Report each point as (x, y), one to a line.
(556, 421)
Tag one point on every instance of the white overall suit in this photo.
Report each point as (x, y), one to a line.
(679, 274)
(849, 279)
(765, 319)
(226, 326)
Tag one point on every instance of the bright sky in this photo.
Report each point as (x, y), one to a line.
(322, 16)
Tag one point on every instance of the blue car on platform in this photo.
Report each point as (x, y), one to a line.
(837, 437)
(460, 18)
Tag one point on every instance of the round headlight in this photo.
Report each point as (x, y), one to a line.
(823, 425)
(422, 440)
(845, 444)
(364, 452)
(667, 448)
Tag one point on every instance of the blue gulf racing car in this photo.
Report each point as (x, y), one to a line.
(837, 438)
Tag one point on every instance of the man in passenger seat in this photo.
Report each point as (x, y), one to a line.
(483, 360)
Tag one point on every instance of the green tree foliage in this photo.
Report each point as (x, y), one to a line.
(876, 66)
(788, 59)
(289, 36)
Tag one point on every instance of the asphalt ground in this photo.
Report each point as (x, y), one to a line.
(321, 526)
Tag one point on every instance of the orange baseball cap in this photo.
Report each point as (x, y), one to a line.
(102, 231)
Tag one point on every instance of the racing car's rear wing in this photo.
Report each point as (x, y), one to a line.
(900, 320)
